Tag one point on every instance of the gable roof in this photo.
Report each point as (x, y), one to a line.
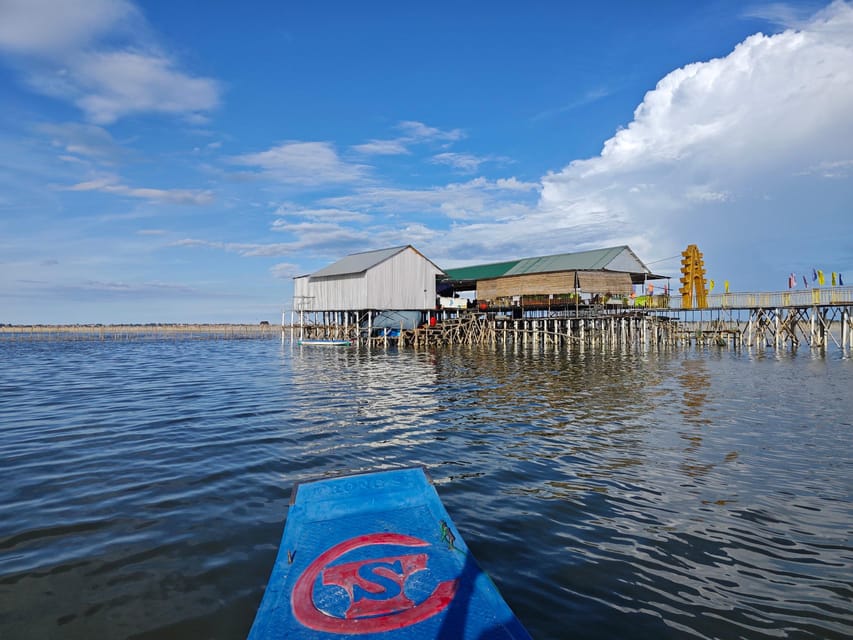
(360, 262)
(357, 262)
(594, 260)
(481, 271)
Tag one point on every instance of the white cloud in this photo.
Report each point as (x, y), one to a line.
(51, 27)
(100, 57)
(465, 162)
(303, 163)
(84, 140)
(115, 84)
(712, 140)
(419, 132)
(285, 270)
(478, 198)
(589, 97)
(383, 147)
(317, 213)
(414, 133)
(111, 184)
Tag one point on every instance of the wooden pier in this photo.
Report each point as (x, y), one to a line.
(817, 319)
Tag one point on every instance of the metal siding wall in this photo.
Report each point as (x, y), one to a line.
(340, 293)
(406, 281)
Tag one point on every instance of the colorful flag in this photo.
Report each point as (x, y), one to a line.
(820, 279)
(840, 281)
(805, 282)
(833, 278)
(792, 281)
(710, 286)
(814, 274)
(726, 285)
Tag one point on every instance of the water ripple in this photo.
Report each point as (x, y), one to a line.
(613, 494)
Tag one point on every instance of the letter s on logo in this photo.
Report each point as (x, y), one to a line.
(302, 598)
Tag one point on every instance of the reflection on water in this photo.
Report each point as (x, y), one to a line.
(613, 494)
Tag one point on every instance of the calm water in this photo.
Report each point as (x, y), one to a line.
(144, 485)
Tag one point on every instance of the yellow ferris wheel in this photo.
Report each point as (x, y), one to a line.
(693, 279)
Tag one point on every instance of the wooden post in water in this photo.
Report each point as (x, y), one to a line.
(777, 337)
(812, 332)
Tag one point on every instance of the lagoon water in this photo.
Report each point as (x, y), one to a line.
(620, 494)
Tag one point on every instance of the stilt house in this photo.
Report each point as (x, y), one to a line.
(361, 284)
(603, 272)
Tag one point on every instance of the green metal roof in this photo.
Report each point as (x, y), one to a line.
(612, 258)
(481, 271)
(594, 260)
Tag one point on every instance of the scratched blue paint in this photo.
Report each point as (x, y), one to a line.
(377, 556)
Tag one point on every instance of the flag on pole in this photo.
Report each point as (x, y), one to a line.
(840, 281)
(805, 282)
(711, 286)
(792, 281)
(726, 285)
(820, 279)
(833, 278)
(814, 274)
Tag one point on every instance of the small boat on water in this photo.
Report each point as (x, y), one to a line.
(324, 343)
(376, 555)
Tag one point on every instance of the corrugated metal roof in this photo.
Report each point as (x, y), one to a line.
(481, 271)
(594, 260)
(358, 262)
(581, 261)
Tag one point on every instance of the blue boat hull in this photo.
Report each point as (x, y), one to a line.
(377, 556)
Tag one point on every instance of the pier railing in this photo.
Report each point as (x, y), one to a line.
(817, 297)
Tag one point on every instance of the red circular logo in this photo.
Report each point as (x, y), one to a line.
(375, 587)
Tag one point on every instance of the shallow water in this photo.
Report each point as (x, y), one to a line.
(706, 494)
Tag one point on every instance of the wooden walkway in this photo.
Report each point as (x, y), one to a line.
(813, 318)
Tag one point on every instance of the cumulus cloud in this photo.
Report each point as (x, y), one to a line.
(100, 57)
(302, 163)
(714, 142)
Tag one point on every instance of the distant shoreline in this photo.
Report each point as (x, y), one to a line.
(125, 331)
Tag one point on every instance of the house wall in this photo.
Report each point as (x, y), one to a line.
(405, 281)
(626, 261)
(554, 283)
(530, 284)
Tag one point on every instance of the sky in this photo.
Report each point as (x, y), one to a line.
(183, 161)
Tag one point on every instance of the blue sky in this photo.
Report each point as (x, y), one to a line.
(181, 162)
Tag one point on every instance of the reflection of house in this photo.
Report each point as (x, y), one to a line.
(394, 279)
(610, 271)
